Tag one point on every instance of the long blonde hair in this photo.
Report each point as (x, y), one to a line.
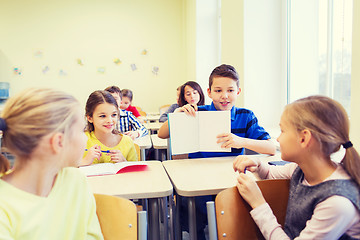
(328, 122)
(33, 114)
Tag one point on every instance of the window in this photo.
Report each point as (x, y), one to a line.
(319, 49)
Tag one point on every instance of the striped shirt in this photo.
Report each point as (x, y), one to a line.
(243, 124)
(128, 122)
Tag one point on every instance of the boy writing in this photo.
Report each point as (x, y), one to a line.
(128, 123)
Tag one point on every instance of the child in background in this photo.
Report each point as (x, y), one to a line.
(190, 93)
(44, 196)
(324, 197)
(126, 100)
(164, 116)
(105, 143)
(245, 132)
(128, 123)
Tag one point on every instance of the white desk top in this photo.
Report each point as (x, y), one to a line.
(144, 142)
(202, 176)
(153, 125)
(159, 143)
(153, 117)
(152, 183)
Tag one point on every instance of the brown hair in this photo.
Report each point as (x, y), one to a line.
(114, 89)
(96, 98)
(127, 93)
(33, 114)
(328, 122)
(224, 70)
(196, 87)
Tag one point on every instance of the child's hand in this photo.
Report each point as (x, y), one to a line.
(189, 109)
(132, 134)
(249, 190)
(116, 156)
(244, 162)
(93, 152)
(230, 140)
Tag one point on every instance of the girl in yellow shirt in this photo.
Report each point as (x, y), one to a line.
(105, 143)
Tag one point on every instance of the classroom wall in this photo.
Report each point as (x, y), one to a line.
(355, 79)
(232, 39)
(45, 39)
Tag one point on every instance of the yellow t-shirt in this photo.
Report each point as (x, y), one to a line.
(126, 146)
(68, 212)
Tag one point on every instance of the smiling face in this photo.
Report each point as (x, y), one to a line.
(223, 92)
(191, 95)
(104, 118)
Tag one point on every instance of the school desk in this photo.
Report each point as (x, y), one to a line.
(152, 184)
(144, 143)
(161, 146)
(153, 118)
(199, 177)
(153, 127)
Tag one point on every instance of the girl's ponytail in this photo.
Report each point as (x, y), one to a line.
(351, 162)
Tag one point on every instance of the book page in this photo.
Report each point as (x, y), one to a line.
(211, 124)
(112, 168)
(184, 136)
(98, 169)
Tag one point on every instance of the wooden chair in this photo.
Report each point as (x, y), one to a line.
(164, 108)
(233, 219)
(142, 113)
(117, 217)
(137, 148)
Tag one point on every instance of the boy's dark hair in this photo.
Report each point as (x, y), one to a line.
(114, 89)
(196, 87)
(224, 70)
(96, 98)
(127, 93)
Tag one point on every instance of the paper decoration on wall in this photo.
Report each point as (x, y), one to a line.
(133, 67)
(117, 61)
(144, 52)
(80, 62)
(62, 72)
(101, 70)
(17, 71)
(45, 69)
(38, 54)
(155, 70)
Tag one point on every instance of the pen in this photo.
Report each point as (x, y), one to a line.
(244, 170)
(107, 151)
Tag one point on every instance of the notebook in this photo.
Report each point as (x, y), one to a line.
(193, 134)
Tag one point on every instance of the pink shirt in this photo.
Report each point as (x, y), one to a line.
(134, 111)
(332, 217)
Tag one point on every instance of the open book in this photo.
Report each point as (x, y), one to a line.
(112, 168)
(193, 134)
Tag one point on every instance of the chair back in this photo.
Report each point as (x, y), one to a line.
(142, 113)
(233, 212)
(137, 148)
(117, 217)
(164, 108)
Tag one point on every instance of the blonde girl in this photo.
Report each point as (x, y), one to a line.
(105, 143)
(324, 195)
(44, 196)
